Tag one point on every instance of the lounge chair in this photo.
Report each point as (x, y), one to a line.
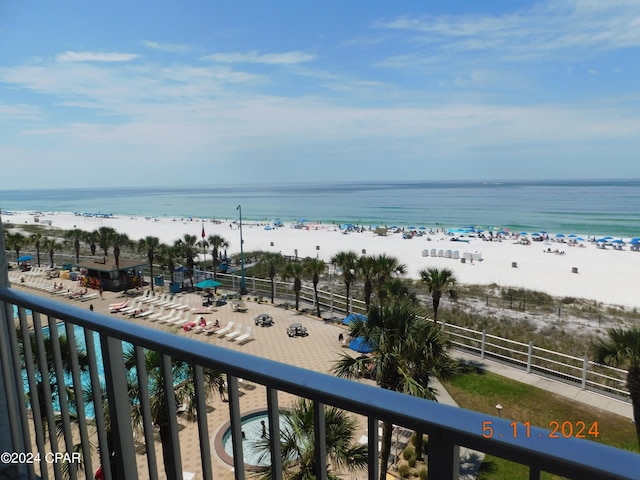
(211, 327)
(156, 315)
(89, 296)
(167, 316)
(146, 313)
(175, 319)
(225, 330)
(245, 337)
(235, 333)
(175, 303)
(116, 307)
(133, 307)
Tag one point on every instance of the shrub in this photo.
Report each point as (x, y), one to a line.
(412, 461)
(404, 470)
(423, 473)
(408, 453)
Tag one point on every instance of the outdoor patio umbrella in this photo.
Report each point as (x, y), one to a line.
(208, 283)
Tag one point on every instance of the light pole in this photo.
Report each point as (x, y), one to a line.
(243, 284)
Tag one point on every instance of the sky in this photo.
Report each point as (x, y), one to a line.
(153, 93)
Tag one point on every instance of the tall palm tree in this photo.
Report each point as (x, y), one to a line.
(187, 247)
(119, 240)
(396, 289)
(149, 245)
(105, 238)
(183, 391)
(36, 238)
(437, 282)
(92, 238)
(367, 271)
(16, 241)
(622, 349)
(50, 244)
(76, 236)
(347, 262)
(315, 267)
(168, 256)
(272, 261)
(216, 242)
(406, 351)
(386, 267)
(294, 270)
(298, 443)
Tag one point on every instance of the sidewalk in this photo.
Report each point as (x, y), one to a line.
(594, 399)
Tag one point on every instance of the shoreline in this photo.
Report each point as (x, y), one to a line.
(606, 275)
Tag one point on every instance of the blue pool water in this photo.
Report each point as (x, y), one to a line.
(252, 428)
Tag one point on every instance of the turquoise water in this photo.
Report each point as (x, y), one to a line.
(84, 376)
(586, 207)
(252, 428)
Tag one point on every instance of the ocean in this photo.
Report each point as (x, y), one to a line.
(585, 207)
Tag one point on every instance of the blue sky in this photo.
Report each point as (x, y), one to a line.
(160, 92)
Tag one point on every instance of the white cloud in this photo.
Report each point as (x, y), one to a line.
(95, 57)
(166, 47)
(287, 58)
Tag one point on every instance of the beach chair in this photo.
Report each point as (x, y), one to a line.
(166, 316)
(245, 337)
(184, 304)
(235, 333)
(144, 314)
(89, 296)
(156, 315)
(175, 319)
(227, 328)
(133, 307)
(183, 317)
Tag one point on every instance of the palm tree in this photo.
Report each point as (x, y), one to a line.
(168, 256)
(16, 241)
(437, 281)
(105, 238)
(216, 242)
(119, 240)
(187, 247)
(622, 350)
(294, 270)
(183, 390)
(76, 235)
(51, 245)
(395, 289)
(315, 267)
(406, 351)
(367, 271)
(92, 238)
(386, 267)
(37, 242)
(272, 261)
(347, 262)
(298, 443)
(149, 245)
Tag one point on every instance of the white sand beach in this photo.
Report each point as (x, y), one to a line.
(606, 275)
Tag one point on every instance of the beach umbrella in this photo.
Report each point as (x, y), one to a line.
(559, 235)
(535, 234)
(208, 283)
(268, 227)
(24, 258)
(635, 240)
(422, 227)
(523, 233)
(572, 235)
(360, 345)
(412, 227)
(618, 242)
(608, 238)
(349, 319)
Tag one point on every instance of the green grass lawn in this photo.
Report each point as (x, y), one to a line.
(482, 391)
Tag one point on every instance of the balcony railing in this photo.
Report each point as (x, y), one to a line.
(448, 428)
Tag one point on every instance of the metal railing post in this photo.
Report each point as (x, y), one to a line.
(585, 371)
(483, 343)
(529, 356)
(444, 458)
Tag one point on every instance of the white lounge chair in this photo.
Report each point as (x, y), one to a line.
(167, 316)
(177, 316)
(146, 313)
(89, 296)
(134, 306)
(156, 315)
(235, 333)
(245, 337)
(226, 329)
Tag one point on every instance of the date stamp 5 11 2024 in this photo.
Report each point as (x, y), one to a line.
(557, 429)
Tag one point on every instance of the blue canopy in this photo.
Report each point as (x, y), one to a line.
(359, 344)
(349, 319)
(209, 283)
(24, 258)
